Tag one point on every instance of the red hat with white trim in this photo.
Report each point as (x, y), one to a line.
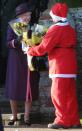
(59, 11)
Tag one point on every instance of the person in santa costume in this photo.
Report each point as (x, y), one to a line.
(60, 43)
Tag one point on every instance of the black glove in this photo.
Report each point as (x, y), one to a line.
(17, 41)
(19, 38)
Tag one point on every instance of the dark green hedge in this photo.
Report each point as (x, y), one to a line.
(72, 3)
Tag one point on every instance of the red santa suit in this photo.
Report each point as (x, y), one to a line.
(60, 42)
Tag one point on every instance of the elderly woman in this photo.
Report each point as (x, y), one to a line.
(17, 70)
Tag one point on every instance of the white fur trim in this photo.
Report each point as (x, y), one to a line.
(58, 18)
(63, 75)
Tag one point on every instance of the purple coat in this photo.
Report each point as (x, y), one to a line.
(16, 76)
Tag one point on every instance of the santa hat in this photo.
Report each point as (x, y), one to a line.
(59, 12)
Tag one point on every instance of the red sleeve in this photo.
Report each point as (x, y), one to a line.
(50, 40)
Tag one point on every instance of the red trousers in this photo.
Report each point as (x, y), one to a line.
(64, 99)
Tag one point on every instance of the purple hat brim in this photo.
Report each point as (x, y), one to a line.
(23, 8)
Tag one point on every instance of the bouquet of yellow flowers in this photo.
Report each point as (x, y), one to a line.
(36, 37)
(38, 30)
(18, 26)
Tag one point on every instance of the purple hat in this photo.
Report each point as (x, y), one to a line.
(24, 7)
